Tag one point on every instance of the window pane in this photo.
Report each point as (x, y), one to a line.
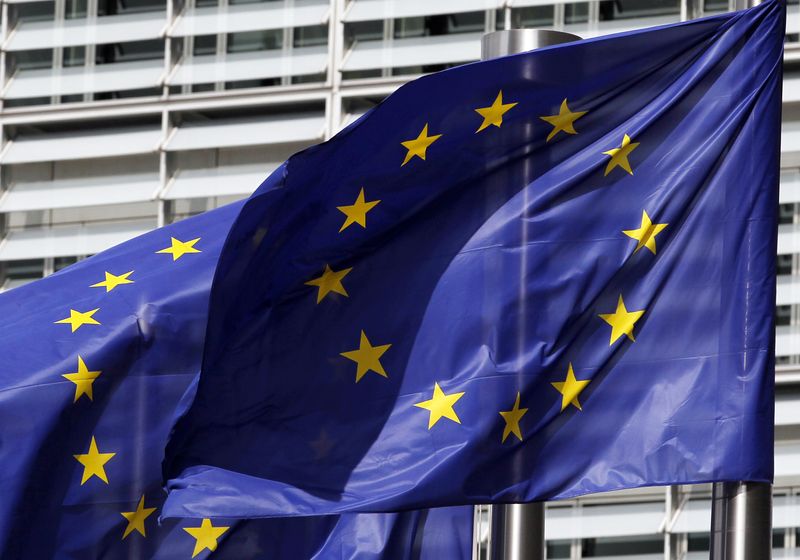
(623, 546)
(75, 9)
(311, 36)
(205, 44)
(578, 13)
(61, 263)
(784, 264)
(786, 215)
(74, 56)
(558, 549)
(783, 315)
(255, 40)
(28, 60)
(19, 270)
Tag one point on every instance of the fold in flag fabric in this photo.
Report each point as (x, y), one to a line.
(97, 361)
(528, 278)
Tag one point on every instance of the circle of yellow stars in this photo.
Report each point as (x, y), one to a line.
(367, 357)
(442, 404)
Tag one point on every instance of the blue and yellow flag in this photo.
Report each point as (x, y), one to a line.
(528, 278)
(96, 362)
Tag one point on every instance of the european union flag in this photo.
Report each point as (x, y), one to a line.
(97, 361)
(528, 278)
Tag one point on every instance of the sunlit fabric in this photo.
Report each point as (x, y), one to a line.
(529, 278)
(96, 362)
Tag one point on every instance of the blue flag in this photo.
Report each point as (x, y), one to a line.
(97, 361)
(529, 278)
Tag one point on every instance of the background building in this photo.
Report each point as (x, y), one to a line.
(118, 116)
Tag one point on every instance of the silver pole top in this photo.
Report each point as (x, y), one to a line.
(501, 43)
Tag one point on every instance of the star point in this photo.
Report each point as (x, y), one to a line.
(94, 463)
(564, 121)
(357, 212)
(83, 380)
(330, 281)
(179, 248)
(570, 389)
(512, 418)
(136, 519)
(622, 321)
(645, 235)
(206, 536)
(619, 156)
(77, 319)
(418, 146)
(112, 281)
(367, 357)
(493, 115)
(441, 406)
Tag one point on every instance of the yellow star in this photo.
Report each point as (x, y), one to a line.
(621, 321)
(206, 536)
(441, 406)
(77, 319)
(357, 212)
(330, 281)
(83, 379)
(512, 418)
(93, 463)
(419, 145)
(136, 519)
(563, 121)
(367, 357)
(180, 248)
(646, 234)
(112, 281)
(570, 388)
(493, 115)
(619, 156)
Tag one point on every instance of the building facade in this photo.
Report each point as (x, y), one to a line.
(118, 116)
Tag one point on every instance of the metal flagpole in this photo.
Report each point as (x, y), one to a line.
(741, 521)
(517, 530)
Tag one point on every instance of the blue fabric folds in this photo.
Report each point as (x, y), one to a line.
(81, 454)
(528, 278)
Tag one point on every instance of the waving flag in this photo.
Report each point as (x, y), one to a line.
(97, 360)
(528, 278)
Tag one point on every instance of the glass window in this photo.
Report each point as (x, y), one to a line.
(74, 56)
(786, 214)
(204, 3)
(29, 60)
(579, 12)
(622, 546)
(75, 9)
(558, 549)
(784, 264)
(362, 31)
(127, 52)
(710, 6)
(778, 538)
(624, 9)
(470, 22)
(783, 315)
(313, 35)
(534, 16)
(35, 11)
(204, 44)
(61, 263)
(255, 40)
(24, 270)
(111, 7)
(698, 542)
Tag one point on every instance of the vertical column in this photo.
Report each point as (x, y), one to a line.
(518, 529)
(741, 521)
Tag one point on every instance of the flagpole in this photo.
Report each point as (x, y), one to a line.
(517, 530)
(741, 521)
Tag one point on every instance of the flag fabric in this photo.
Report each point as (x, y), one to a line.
(528, 278)
(96, 362)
